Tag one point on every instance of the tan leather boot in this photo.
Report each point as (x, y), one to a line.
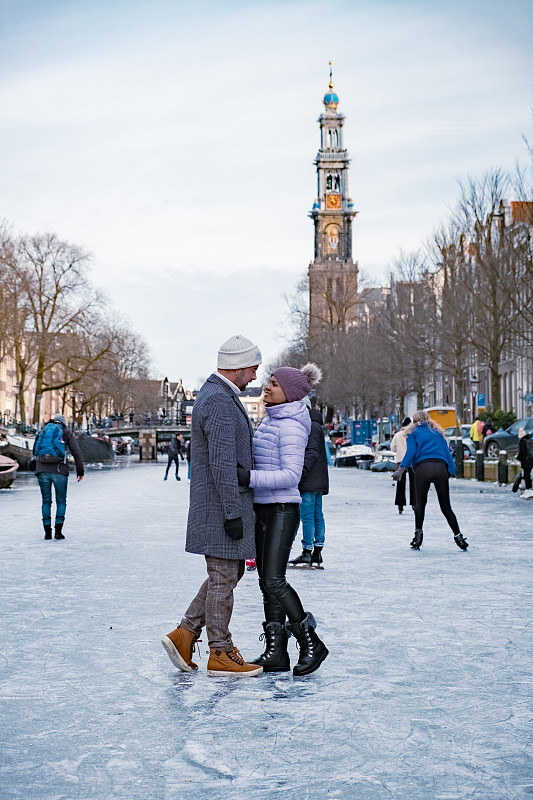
(179, 645)
(232, 663)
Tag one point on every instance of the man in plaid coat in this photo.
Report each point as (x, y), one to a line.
(221, 517)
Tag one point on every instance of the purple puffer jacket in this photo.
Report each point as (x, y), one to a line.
(279, 448)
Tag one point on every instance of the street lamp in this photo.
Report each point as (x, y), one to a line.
(73, 402)
(38, 398)
(16, 389)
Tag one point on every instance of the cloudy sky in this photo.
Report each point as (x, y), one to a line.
(175, 141)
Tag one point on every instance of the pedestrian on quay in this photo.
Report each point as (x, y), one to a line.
(174, 454)
(279, 451)
(476, 433)
(399, 446)
(313, 485)
(525, 455)
(51, 469)
(429, 455)
(488, 428)
(220, 525)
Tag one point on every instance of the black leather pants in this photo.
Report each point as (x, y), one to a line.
(436, 473)
(275, 530)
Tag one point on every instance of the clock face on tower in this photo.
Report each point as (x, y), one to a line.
(333, 201)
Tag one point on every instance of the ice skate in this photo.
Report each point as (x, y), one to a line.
(460, 541)
(302, 561)
(316, 558)
(417, 539)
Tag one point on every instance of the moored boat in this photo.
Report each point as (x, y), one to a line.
(353, 455)
(8, 470)
(95, 450)
(20, 448)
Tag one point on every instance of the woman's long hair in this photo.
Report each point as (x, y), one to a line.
(421, 417)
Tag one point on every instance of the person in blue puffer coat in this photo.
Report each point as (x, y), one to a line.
(429, 455)
(278, 450)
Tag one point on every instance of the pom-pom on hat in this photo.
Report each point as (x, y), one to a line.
(296, 383)
(238, 352)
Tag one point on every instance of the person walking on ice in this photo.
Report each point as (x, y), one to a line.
(51, 469)
(220, 524)
(429, 455)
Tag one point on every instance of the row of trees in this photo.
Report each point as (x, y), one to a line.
(464, 298)
(60, 333)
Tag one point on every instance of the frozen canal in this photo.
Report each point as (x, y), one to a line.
(426, 694)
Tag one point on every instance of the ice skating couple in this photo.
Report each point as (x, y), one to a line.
(234, 474)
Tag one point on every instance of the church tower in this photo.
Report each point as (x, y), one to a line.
(332, 273)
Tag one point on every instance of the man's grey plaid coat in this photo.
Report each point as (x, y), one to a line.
(221, 437)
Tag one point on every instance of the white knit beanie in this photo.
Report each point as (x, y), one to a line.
(238, 352)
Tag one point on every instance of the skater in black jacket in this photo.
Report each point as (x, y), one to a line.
(314, 484)
(525, 455)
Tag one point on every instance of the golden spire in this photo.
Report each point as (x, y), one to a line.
(330, 76)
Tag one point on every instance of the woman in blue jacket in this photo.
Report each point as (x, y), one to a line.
(429, 455)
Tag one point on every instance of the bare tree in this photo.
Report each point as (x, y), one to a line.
(62, 343)
(490, 283)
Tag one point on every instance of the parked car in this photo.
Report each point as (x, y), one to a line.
(337, 435)
(469, 448)
(506, 439)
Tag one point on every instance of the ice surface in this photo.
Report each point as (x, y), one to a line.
(426, 694)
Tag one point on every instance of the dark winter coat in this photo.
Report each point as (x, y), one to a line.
(221, 438)
(72, 443)
(174, 448)
(315, 476)
(524, 451)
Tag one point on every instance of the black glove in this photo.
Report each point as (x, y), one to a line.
(396, 476)
(233, 528)
(243, 476)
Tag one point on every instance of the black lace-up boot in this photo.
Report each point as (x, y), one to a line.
(275, 658)
(312, 650)
(316, 557)
(417, 539)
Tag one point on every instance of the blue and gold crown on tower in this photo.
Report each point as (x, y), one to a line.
(331, 100)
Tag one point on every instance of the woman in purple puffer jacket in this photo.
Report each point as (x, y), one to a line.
(279, 447)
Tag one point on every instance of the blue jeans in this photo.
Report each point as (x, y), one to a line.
(60, 482)
(313, 524)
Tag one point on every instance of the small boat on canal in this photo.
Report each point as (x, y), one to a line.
(8, 469)
(95, 450)
(20, 448)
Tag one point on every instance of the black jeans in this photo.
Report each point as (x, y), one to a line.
(400, 489)
(436, 473)
(276, 526)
